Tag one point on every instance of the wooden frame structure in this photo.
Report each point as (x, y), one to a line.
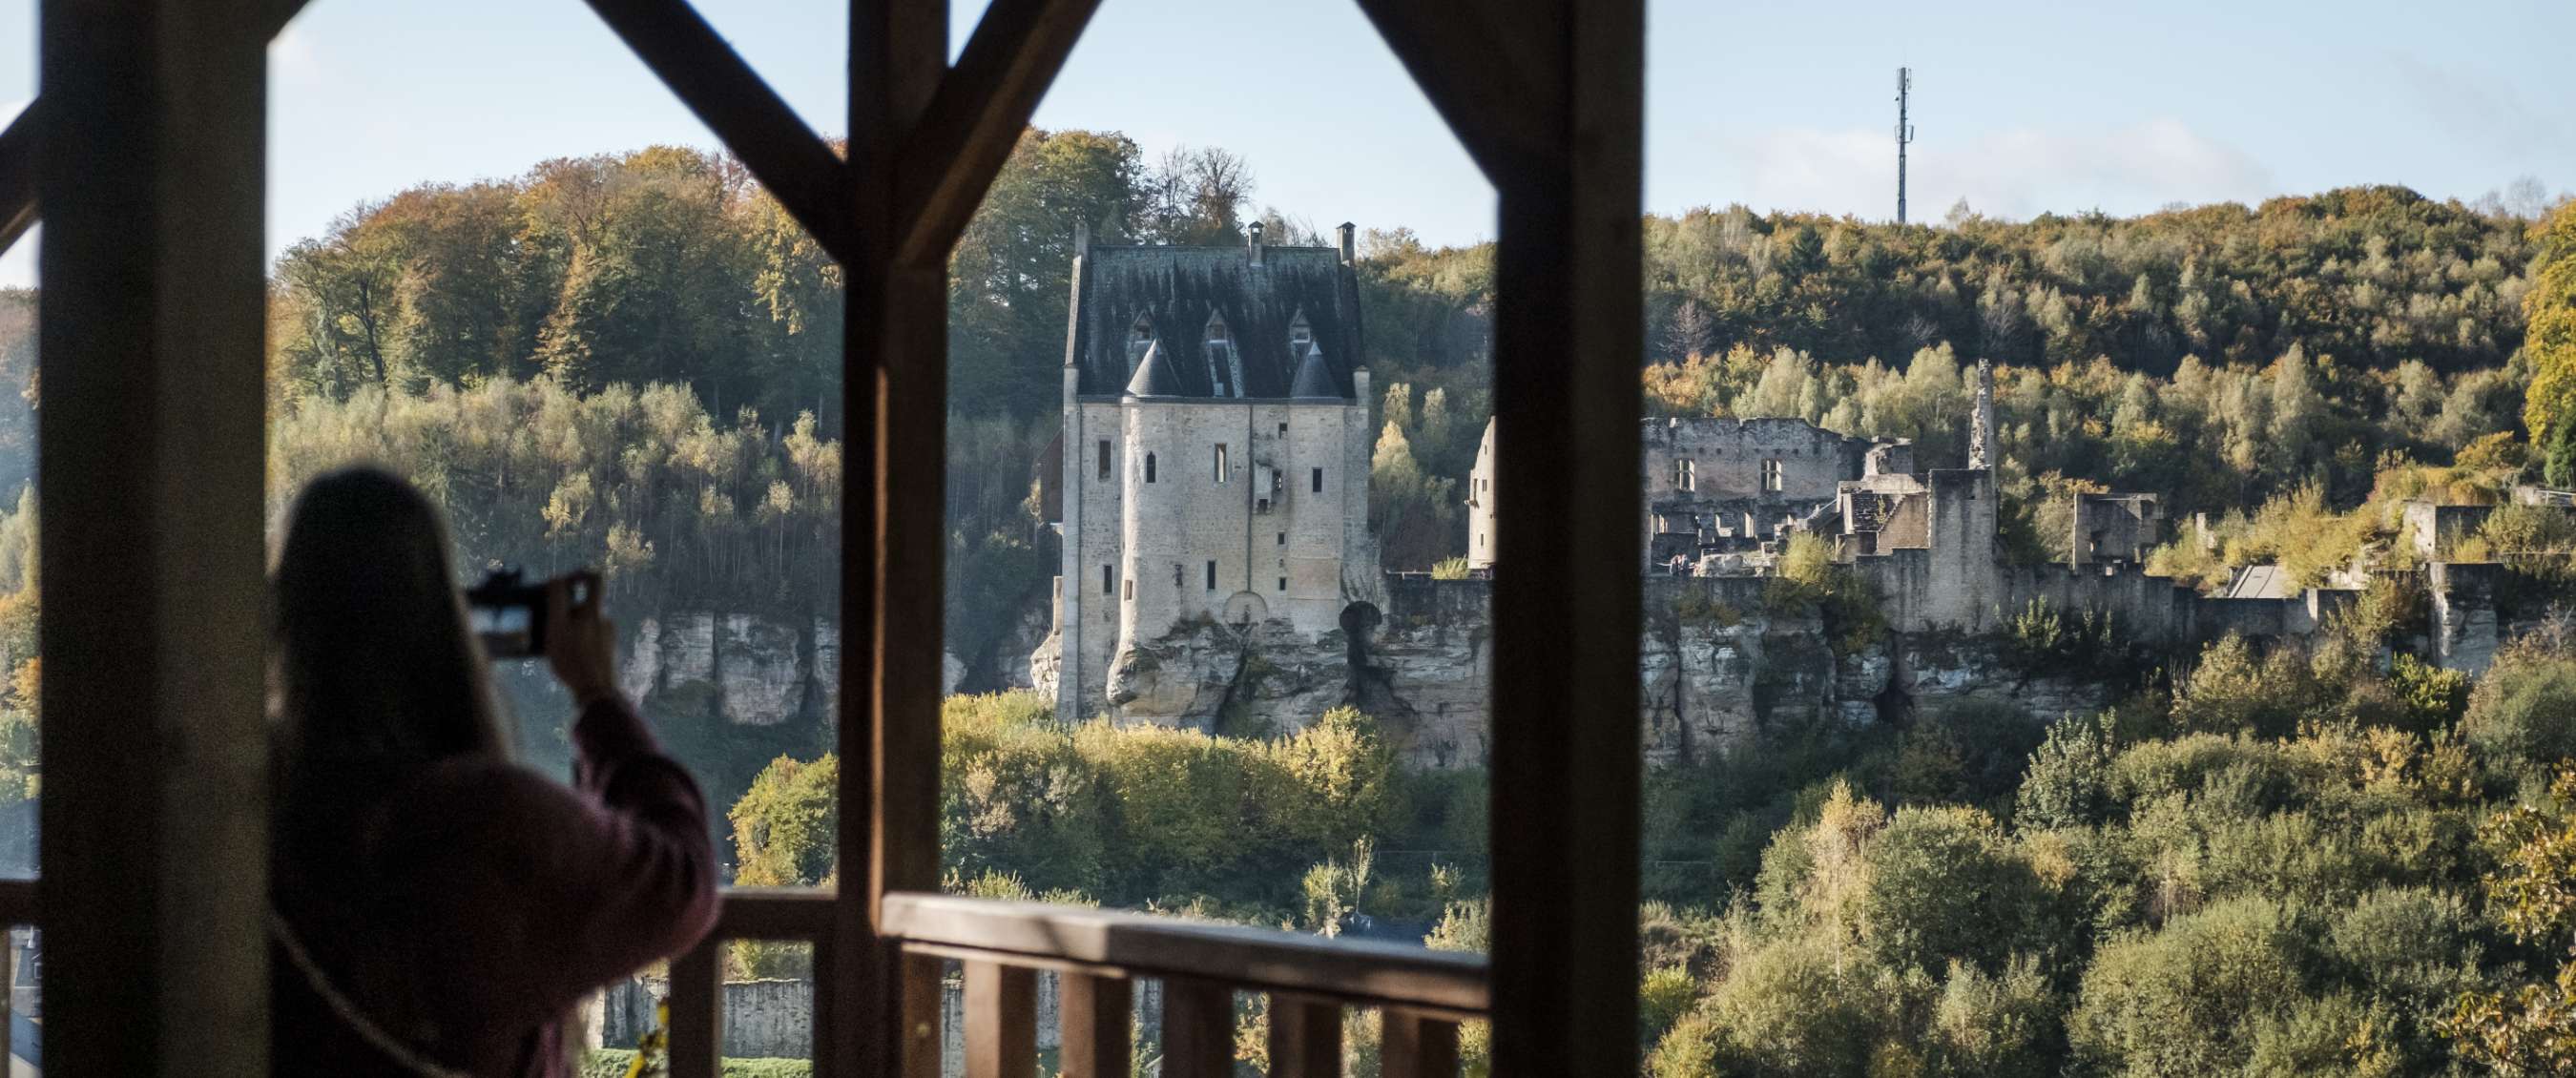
(145, 156)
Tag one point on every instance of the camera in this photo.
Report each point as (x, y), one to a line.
(509, 614)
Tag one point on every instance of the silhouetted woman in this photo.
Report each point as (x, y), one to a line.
(435, 908)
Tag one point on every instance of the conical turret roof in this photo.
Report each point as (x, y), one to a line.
(1154, 377)
(1314, 378)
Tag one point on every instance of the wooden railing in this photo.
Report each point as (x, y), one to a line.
(1421, 995)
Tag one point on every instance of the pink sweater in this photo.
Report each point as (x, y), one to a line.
(498, 898)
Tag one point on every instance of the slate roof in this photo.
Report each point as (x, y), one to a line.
(1314, 377)
(1177, 288)
(1153, 376)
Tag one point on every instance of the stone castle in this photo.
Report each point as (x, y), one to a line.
(1215, 456)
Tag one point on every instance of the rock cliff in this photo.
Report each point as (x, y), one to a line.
(1714, 668)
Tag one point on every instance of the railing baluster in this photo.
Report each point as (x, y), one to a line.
(924, 978)
(1001, 1021)
(697, 1010)
(1198, 1028)
(1305, 1037)
(1094, 1014)
(1417, 1045)
(8, 996)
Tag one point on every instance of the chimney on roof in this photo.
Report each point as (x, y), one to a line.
(1253, 241)
(1343, 232)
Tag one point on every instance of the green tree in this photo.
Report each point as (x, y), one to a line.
(2549, 311)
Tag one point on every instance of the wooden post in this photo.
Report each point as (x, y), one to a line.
(894, 366)
(1567, 337)
(152, 322)
(697, 1011)
(1001, 1020)
(1094, 1017)
(1416, 1045)
(1305, 1037)
(1198, 1029)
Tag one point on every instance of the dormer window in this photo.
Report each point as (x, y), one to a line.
(1300, 334)
(1225, 371)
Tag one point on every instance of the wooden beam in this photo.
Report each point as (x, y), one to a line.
(1479, 78)
(18, 145)
(18, 151)
(1567, 336)
(151, 333)
(797, 168)
(971, 126)
(895, 363)
(775, 913)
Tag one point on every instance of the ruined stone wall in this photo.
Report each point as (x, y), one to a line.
(2465, 629)
(1726, 458)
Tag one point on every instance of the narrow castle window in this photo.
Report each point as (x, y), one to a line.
(1211, 576)
(1283, 583)
(1176, 575)
(1104, 460)
(1771, 474)
(1319, 480)
(1108, 580)
(1283, 428)
(1283, 538)
(1149, 467)
(1685, 475)
(1221, 469)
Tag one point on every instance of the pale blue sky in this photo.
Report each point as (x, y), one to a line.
(2021, 106)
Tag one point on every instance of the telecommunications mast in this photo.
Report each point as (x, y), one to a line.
(1904, 134)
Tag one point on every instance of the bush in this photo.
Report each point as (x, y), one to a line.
(1664, 996)
(2187, 1001)
(1943, 885)
(2230, 690)
(2005, 1026)
(2068, 781)
(2522, 715)
(1805, 1005)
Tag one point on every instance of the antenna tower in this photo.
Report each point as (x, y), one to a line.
(1904, 134)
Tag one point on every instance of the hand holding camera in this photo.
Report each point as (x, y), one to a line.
(559, 619)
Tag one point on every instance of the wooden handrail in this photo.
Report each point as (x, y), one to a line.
(1365, 973)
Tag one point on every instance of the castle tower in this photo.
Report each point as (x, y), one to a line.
(1981, 425)
(1215, 464)
(1480, 504)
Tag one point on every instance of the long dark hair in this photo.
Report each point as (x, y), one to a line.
(379, 683)
(380, 678)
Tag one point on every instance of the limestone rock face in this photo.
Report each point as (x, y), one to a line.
(753, 669)
(762, 670)
(1715, 667)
